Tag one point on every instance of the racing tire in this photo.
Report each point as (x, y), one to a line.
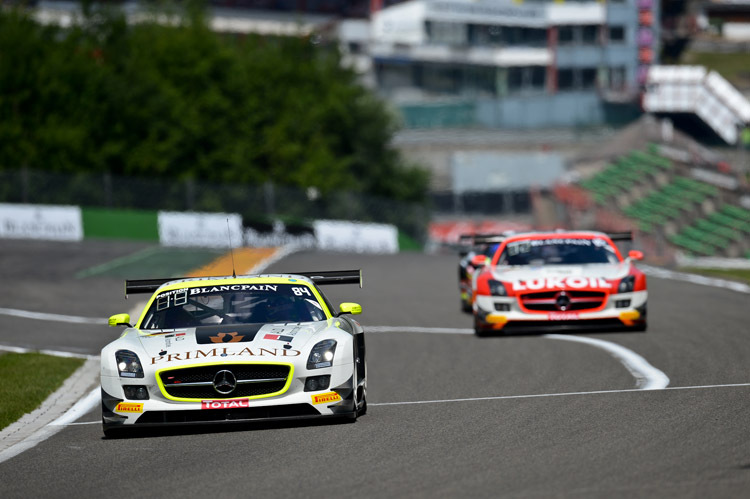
(478, 331)
(360, 405)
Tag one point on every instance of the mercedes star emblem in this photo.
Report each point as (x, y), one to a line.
(562, 300)
(225, 382)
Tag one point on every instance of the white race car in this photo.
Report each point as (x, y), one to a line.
(556, 280)
(223, 349)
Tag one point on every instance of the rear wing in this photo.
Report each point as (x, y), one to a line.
(489, 238)
(466, 241)
(620, 236)
(334, 276)
(134, 286)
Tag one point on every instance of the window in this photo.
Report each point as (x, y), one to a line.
(616, 34)
(442, 79)
(565, 35)
(576, 79)
(483, 35)
(447, 33)
(589, 35)
(394, 75)
(565, 79)
(617, 78)
(479, 80)
(538, 77)
(515, 79)
(526, 78)
(588, 78)
(535, 37)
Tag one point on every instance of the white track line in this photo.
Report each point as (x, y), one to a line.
(42, 316)
(647, 377)
(117, 262)
(411, 329)
(94, 397)
(547, 395)
(695, 279)
(80, 408)
(54, 353)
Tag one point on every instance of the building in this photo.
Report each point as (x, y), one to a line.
(730, 18)
(514, 64)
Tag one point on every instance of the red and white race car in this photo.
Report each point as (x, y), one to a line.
(474, 248)
(557, 280)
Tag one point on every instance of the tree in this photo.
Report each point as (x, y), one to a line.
(181, 102)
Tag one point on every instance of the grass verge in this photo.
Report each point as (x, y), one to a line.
(732, 66)
(740, 275)
(408, 243)
(28, 379)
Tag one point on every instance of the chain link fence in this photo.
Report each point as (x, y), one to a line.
(256, 203)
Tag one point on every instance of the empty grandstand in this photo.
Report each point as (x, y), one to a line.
(672, 198)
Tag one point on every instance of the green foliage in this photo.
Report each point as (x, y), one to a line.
(731, 65)
(182, 102)
(28, 379)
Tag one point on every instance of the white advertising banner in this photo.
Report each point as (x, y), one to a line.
(29, 221)
(206, 230)
(339, 235)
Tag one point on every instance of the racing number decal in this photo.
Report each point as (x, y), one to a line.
(179, 297)
(301, 291)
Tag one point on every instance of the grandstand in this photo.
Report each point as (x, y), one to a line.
(668, 195)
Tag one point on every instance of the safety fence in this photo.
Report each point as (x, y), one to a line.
(119, 204)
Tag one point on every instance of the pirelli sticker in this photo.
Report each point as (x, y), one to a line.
(129, 407)
(326, 398)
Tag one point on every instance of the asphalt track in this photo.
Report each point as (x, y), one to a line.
(553, 418)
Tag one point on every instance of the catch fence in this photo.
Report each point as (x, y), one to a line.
(256, 203)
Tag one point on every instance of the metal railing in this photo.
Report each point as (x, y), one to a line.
(263, 202)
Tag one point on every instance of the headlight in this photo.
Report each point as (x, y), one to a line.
(627, 284)
(322, 354)
(128, 364)
(497, 288)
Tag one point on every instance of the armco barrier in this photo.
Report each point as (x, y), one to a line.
(26, 221)
(207, 230)
(340, 235)
(189, 229)
(120, 224)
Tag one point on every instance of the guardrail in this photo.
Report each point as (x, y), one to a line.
(137, 200)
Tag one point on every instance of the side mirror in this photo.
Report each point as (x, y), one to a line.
(119, 320)
(350, 308)
(479, 261)
(635, 255)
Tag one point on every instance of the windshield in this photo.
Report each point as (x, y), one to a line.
(233, 304)
(558, 251)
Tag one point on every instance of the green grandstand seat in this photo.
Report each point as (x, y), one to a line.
(691, 245)
(713, 228)
(704, 237)
(736, 211)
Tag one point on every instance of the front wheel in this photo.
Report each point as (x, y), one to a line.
(361, 401)
(479, 331)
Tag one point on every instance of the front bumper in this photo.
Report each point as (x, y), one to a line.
(503, 313)
(294, 403)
